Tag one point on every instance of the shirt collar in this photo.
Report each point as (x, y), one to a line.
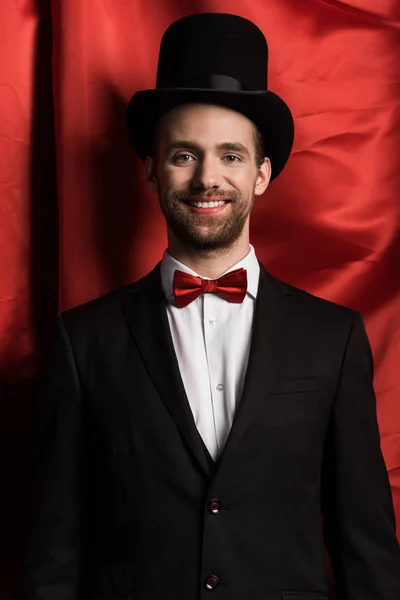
(250, 262)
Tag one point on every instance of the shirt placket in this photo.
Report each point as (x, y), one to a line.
(213, 346)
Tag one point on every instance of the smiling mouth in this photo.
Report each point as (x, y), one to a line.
(207, 203)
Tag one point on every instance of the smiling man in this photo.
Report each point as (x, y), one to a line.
(194, 425)
(200, 163)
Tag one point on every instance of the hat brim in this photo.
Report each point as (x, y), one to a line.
(266, 109)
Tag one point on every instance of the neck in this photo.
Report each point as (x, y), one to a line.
(209, 263)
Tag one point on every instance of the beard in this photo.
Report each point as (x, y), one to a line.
(202, 232)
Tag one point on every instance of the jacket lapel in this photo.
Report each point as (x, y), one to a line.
(271, 317)
(145, 310)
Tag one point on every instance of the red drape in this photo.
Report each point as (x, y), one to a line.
(76, 218)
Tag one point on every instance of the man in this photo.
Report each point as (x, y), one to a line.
(195, 424)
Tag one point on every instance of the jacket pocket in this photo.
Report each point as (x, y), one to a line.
(304, 596)
(295, 385)
(110, 596)
(112, 581)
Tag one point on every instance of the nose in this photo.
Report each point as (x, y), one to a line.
(207, 173)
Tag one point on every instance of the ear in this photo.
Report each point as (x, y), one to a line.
(150, 174)
(263, 177)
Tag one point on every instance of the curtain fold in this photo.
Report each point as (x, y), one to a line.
(76, 217)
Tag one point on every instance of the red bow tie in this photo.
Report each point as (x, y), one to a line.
(232, 286)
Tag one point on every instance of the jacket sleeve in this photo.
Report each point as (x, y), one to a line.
(359, 520)
(53, 548)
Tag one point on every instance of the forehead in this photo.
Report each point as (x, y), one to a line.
(205, 124)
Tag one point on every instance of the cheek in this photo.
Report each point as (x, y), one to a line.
(177, 178)
(243, 181)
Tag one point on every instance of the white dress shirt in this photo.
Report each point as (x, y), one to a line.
(212, 338)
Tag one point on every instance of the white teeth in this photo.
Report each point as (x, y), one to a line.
(207, 204)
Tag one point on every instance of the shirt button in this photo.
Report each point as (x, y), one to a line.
(220, 387)
(211, 582)
(214, 506)
(212, 321)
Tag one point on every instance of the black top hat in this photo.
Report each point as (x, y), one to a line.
(218, 59)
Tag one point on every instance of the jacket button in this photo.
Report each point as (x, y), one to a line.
(211, 582)
(214, 506)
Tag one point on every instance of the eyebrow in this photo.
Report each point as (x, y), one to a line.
(227, 146)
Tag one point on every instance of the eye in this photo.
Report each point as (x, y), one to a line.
(183, 158)
(232, 156)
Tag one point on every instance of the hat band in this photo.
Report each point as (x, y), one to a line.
(222, 83)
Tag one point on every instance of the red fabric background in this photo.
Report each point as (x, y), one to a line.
(76, 220)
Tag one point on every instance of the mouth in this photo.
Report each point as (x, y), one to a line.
(209, 207)
(209, 203)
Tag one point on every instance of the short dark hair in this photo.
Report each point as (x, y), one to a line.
(259, 146)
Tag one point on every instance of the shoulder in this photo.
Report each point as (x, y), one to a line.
(105, 312)
(311, 308)
(329, 326)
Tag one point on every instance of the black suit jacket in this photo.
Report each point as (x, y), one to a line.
(124, 482)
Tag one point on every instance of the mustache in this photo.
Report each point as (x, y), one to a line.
(184, 196)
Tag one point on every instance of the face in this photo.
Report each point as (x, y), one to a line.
(206, 154)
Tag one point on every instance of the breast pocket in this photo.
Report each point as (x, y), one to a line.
(292, 401)
(295, 385)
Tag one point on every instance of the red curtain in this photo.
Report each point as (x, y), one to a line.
(76, 218)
